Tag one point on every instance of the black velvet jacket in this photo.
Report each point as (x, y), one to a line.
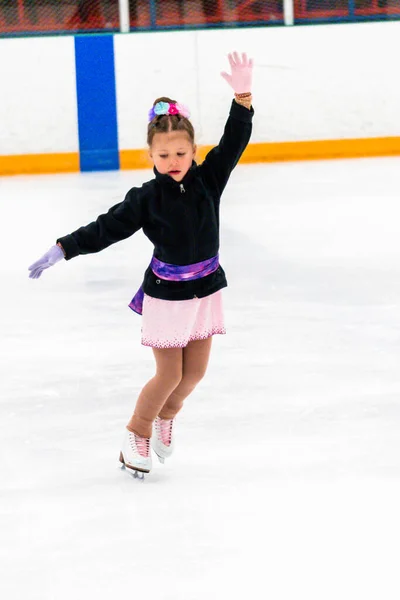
(180, 219)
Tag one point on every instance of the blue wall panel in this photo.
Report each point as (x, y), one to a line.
(97, 109)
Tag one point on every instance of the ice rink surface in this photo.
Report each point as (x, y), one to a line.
(285, 484)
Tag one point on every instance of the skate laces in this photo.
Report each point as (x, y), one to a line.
(142, 445)
(164, 428)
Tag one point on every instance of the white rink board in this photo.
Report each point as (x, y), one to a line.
(310, 83)
(38, 96)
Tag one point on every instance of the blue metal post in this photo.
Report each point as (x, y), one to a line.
(153, 14)
(352, 9)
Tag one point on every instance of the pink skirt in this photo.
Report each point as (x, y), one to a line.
(175, 323)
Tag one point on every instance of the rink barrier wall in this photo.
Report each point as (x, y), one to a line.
(255, 153)
(80, 103)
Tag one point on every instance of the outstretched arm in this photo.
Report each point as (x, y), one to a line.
(121, 221)
(222, 159)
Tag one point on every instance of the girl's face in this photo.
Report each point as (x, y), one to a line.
(172, 153)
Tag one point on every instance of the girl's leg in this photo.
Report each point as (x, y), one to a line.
(155, 393)
(195, 361)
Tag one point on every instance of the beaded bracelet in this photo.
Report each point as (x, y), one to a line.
(245, 95)
(246, 102)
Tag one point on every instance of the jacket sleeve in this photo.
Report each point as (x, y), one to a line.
(221, 160)
(120, 222)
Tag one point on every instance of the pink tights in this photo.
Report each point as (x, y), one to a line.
(178, 371)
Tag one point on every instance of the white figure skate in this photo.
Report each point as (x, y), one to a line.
(135, 455)
(162, 440)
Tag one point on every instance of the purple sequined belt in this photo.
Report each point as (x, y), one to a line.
(175, 273)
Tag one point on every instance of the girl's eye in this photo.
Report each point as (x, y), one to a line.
(163, 155)
(181, 153)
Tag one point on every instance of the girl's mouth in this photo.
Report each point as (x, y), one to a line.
(173, 172)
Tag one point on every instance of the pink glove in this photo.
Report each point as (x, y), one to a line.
(49, 259)
(242, 73)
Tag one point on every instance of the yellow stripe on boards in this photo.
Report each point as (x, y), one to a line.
(316, 150)
(284, 151)
(34, 164)
(254, 153)
(134, 159)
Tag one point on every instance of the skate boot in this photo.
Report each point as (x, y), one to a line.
(135, 455)
(162, 441)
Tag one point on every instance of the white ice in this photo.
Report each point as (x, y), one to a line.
(285, 484)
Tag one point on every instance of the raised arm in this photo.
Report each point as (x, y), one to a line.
(222, 159)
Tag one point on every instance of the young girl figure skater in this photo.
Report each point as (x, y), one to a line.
(180, 298)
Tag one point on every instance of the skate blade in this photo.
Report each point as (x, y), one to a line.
(134, 472)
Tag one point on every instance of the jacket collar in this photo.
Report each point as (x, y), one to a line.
(166, 180)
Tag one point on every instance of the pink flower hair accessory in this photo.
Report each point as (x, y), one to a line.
(183, 110)
(168, 108)
(172, 109)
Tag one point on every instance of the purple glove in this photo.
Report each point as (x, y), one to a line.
(242, 73)
(49, 259)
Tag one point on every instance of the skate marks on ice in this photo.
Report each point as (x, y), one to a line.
(312, 426)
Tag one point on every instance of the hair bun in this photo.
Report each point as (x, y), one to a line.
(164, 99)
(168, 115)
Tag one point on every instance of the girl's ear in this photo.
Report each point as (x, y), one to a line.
(194, 149)
(150, 154)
